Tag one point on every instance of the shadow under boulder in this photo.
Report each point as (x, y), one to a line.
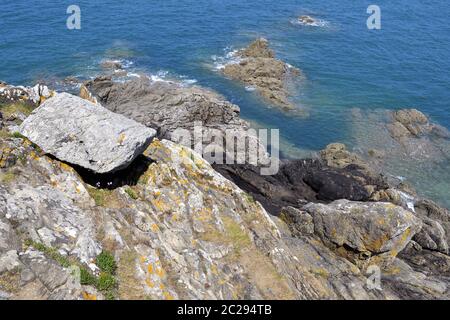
(113, 180)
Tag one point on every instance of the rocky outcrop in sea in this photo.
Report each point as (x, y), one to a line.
(169, 225)
(257, 67)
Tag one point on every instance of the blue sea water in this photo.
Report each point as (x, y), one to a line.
(346, 66)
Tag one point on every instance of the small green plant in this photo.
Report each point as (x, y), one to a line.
(50, 252)
(86, 278)
(133, 195)
(99, 196)
(250, 198)
(106, 282)
(105, 261)
(18, 135)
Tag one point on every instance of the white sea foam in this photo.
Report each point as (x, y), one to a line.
(408, 199)
(166, 76)
(317, 23)
(133, 75)
(230, 57)
(189, 82)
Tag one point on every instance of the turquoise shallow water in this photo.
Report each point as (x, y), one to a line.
(405, 64)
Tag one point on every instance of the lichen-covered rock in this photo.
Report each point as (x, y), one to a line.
(366, 233)
(300, 222)
(79, 132)
(336, 155)
(432, 236)
(413, 120)
(179, 230)
(409, 123)
(30, 95)
(435, 234)
(259, 68)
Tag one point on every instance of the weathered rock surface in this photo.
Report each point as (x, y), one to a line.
(299, 222)
(259, 68)
(435, 234)
(79, 132)
(175, 111)
(181, 231)
(365, 233)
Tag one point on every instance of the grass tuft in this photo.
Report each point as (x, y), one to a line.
(106, 263)
(133, 195)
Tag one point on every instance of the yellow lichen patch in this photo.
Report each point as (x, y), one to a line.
(121, 139)
(184, 153)
(204, 214)
(168, 296)
(158, 151)
(65, 167)
(175, 217)
(376, 244)
(155, 227)
(149, 283)
(34, 155)
(77, 188)
(150, 268)
(160, 272)
(161, 206)
(214, 269)
(402, 240)
(392, 270)
(88, 296)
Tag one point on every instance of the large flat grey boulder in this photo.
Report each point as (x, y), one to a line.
(79, 132)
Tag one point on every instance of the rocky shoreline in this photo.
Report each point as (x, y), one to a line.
(176, 227)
